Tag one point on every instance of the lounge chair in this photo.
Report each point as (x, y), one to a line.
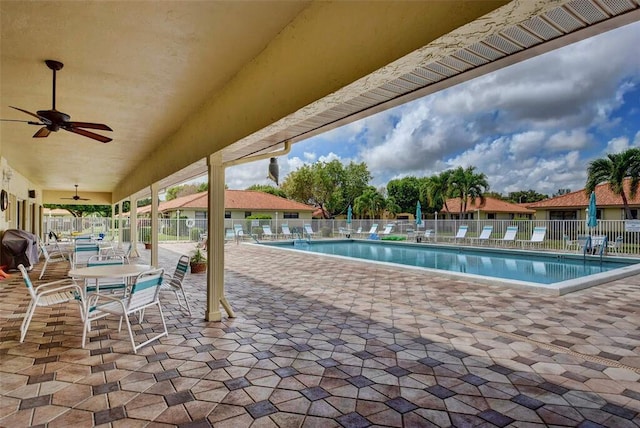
(536, 237)
(266, 232)
(616, 246)
(485, 235)
(509, 235)
(286, 233)
(358, 231)
(344, 232)
(373, 230)
(428, 235)
(309, 231)
(387, 230)
(48, 294)
(239, 233)
(229, 235)
(461, 234)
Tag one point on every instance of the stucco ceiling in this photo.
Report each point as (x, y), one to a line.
(178, 81)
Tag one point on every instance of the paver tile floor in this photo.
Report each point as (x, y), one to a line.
(321, 342)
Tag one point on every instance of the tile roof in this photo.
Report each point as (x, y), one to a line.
(604, 198)
(490, 205)
(249, 200)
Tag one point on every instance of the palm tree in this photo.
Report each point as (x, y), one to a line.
(370, 203)
(615, 169)
(468, 185)
(437, 190)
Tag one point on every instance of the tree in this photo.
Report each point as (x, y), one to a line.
(525, 196)
(561, 192)
(329, 186)
(266, 188)
(615, 169)
(83, 210)
(435, 191)
(468, 185)
(405, 192)
(370, 203)
(184, 190)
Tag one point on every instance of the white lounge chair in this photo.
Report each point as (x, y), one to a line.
(239, 233)
(309, 231)
(266, 232)
(461, 234)
(485, 235)
(509, 235)
(387, 230)
(536, 237)
(372, 230)
(286, 233)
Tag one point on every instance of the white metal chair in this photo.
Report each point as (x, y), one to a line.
(616, 246)
(124, 253)
(52, 257)
(103, 285)
(48, 294)
(144, 293)
(82, 253)
(174, 283)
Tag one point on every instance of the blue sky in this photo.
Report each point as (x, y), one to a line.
(534, 125)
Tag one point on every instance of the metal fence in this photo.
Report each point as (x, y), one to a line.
(559, 232)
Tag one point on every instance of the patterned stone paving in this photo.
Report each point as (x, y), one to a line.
(324, 342)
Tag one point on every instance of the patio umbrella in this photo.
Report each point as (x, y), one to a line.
(592, 219)
(418, 214)
(349, 214)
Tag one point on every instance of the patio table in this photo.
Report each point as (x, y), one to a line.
(109, 271)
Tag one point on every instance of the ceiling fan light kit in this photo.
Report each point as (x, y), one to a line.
(54, 120)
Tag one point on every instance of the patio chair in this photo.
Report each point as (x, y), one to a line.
(509, 235)
(266, 232)
(144, 293)
(52, 257)
(387, 230)
(229, 235)
(106, 284)
(48, 294)
(536, 237)
(286, 233)
(461, 234)
(429, 235)
(484, 236)
(239, 232)
(124, 253)
(82, 253)
(358, 231)
(174, 283)
(616, 246)
(309, 231)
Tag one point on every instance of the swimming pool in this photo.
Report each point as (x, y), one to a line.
(555, 272)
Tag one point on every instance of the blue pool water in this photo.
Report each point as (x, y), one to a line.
(537, 268)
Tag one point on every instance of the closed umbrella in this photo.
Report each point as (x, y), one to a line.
(418, 214)
(349, 214)
(592, 218)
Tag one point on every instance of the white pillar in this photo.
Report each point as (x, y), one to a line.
(133, 222)
(215, 249)
(120, 224)
(154, 224)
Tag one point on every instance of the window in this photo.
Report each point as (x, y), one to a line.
(491, 216)
(290, 215)
(634, 213)
(247, 214)
(227, 214)
(565, 215)
(201, 215)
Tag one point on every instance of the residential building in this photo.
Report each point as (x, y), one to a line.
(572, 206)
(490, 209)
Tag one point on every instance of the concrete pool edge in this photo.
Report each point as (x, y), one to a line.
(557, 289)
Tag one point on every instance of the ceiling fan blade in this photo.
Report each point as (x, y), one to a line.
(31, 114)
(88, 125)
(89, 134)
(42, 132)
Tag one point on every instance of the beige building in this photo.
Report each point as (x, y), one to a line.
(572, 206)
(490, 209)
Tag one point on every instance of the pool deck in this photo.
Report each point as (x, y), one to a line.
(321, 342)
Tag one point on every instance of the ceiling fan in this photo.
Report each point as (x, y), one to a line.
(54, 120)
(76, 197)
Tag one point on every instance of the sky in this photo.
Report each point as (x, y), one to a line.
(534, 125)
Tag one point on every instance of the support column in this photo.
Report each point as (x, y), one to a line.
(215, 248)
(120, 224)
(113, 221)
(133, 224)
(154, 224)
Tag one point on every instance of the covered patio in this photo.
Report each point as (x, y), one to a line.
(323, 343)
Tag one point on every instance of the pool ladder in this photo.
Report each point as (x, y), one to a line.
(601, 250)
